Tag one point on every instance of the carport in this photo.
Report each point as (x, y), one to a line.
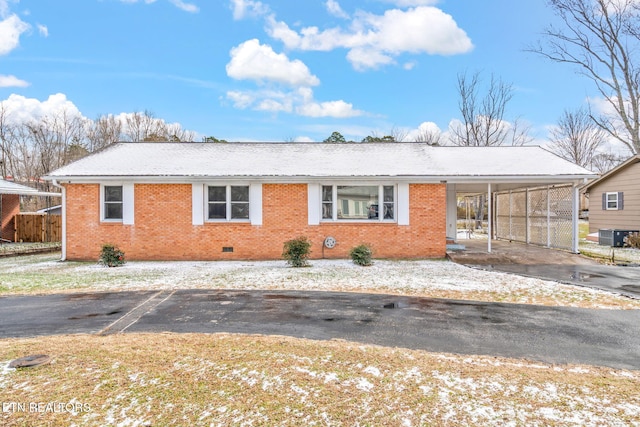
(10, 193)
(539, 209)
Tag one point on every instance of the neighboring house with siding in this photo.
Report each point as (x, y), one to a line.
(205, 201)
(614, 198)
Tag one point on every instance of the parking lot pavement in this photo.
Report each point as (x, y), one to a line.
(547, 334)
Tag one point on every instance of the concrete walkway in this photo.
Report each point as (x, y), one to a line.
(549, 264)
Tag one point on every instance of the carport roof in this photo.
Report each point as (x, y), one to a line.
(291, 161)
(8, 187)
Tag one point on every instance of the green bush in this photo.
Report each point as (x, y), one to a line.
(297, 251)
(111, 256)
(361, 255)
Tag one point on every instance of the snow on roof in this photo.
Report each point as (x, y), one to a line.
(8, 187)
(247, 160)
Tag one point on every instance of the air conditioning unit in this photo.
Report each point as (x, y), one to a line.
(615, 238)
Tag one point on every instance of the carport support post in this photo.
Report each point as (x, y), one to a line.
(490, 217)
(575, 220)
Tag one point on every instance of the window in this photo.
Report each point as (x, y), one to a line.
(358, 202)
(228, 202)
(327, 202)
(612, 201)
(113, 202)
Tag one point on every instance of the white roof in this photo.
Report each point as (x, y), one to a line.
(287, 161)
(8, 187)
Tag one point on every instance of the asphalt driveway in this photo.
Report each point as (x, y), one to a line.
(547, 334)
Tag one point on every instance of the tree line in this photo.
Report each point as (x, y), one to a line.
(32, 148)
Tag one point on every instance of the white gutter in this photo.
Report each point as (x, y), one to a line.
(55, 183)
(453, 179)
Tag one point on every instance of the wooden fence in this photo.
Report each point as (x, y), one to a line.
(35, 227)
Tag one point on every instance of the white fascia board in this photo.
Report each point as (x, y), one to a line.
(415, 179)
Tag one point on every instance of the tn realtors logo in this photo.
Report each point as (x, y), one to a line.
(45, 407)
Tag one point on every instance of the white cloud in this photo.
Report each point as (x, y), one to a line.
(300, 102)
(339, 109)
(4, 8)
(374, 40)
(409, 65)
(411, 3)
(367, 57)
(21, 109)
(12, 81)
(43, 30)
(303, 139)
(10, 30)
(245, 8)
(254, 61)
(241, 100)
(425, 129)
(187, 7)
(180, 4)
(334, 8)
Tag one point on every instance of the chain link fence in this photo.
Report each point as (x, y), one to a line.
(541, 216)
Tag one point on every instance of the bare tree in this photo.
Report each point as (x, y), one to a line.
(175, 133)
(103, 131)
(576, 137)
(604, 162)
(483, 121)
(57, 140)
(483, 116)
(141, 125)
(601, 39)
(6, 140)
(429, 137)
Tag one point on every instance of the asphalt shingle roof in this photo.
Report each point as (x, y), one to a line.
(247, 160)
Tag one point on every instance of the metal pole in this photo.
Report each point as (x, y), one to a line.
(489, 215)
(575, 241)
(548, 217)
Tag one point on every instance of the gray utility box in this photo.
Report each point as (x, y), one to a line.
(613, 237)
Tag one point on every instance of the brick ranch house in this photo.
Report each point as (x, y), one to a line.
(207, 201)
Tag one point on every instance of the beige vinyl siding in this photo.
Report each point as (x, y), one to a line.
(625, 181)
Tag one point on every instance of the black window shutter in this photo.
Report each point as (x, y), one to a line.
(604, 201)
(620, 201)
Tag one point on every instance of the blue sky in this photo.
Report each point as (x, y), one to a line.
(274, 70)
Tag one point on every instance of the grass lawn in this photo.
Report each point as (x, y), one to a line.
(228, 379)
(202, 380)
(33, 274)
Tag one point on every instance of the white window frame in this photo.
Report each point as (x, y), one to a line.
(334, 216)
(616, 201)
(228, 203)
(127, 203)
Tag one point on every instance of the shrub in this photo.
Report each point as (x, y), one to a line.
(111, 256)
(633, 240)
(361, 255)
(297, 251)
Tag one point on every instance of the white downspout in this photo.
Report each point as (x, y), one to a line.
(64, 219)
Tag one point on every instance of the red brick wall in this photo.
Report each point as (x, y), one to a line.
(10, 208)
(163, 229)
